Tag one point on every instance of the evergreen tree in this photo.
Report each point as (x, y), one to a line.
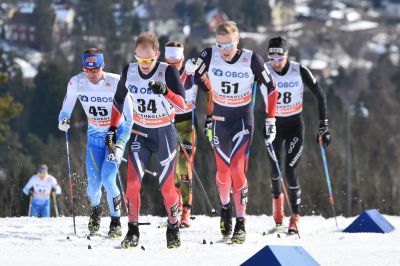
(43, 20)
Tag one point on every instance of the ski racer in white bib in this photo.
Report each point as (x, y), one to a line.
(95, 90)
(40, 186)
(290, 78)
(232, 73)
(156, 90)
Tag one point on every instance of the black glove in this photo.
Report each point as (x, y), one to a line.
(158, 87)
(111, 139)
(323, 133)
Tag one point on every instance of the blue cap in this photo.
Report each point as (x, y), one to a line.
(92, 60)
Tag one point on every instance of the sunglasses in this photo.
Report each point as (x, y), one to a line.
(145, 60)
(42, 170)
(91, 70)
(277, 59)
(226, 46)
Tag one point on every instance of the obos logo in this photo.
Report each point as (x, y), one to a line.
(288, 84)
(217, 72)
(83, 98)
(235, 74)
(101, 99)
(134, 89)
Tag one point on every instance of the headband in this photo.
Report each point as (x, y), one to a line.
(93, 60)
(173, 53)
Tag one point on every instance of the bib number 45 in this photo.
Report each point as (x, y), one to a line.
(99, 110)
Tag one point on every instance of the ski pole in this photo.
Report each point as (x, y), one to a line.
(146, 170)
(271, 151)
(70, 180)
(30, 206)
(328, 179)
(213, 211)
(121, 185)
(253, 104)
(55, 203)
(193, 109)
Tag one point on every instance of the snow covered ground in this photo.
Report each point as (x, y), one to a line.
(30, 241)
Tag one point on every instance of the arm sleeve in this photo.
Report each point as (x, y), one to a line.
(203, 61)
(175, 93)
(27, 187)
(69, 100)
(316, 89)
(123, 137)
(119, 99)
(268, 88)
(54, 185)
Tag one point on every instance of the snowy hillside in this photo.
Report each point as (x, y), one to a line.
(30, 241)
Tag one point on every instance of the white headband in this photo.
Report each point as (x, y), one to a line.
(173, 53)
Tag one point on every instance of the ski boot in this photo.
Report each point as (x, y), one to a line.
(132, 236)
(185, 218)
(239, 234)
(293, 224)
(173, 236)
(115, 228)
(94, 220)
(226, 221)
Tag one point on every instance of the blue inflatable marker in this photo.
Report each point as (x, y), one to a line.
(370, 221)
(281, 256)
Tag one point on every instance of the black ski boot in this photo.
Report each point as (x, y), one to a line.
(115, 228)
(94, 220)
(226, 221)
(173, 237)
(239, 234)
(132, 237)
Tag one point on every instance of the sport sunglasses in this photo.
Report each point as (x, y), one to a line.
(276, 59)
(145, 60)
(226, 46)
(91, 70)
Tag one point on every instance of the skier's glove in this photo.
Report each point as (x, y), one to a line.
(63, 125)
(191, 66)
(269, 131)
(323, 133)
(158, 87)
(208, 128)
(111, 139)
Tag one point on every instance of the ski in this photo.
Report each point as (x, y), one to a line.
(276, 229)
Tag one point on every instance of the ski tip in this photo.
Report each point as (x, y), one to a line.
(142, 247)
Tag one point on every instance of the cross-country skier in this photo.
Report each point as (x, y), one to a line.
(40, 186)
(232, 71)
(174, 56)
(95, 90)
(290, 78)
(156, 90)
